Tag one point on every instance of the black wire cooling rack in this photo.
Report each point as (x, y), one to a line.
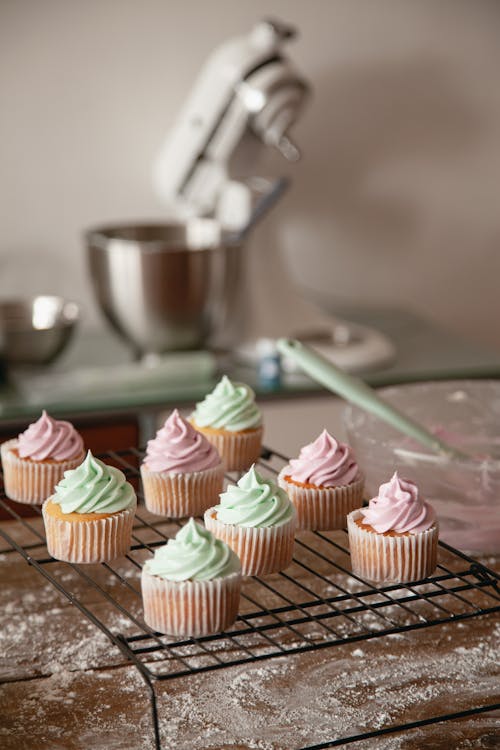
(316, 603)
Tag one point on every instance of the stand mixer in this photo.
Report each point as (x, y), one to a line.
(249, 95)
(246, 100)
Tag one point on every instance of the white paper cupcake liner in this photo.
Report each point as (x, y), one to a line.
(181, 495)
(396, 559)
(238, 450)
(262, 550)
(32, 482)
(95, 540)
(322, 508)
(190, 608)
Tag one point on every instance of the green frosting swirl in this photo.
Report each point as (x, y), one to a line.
(230, 406)
(194, 555)
(94, 487)
(254, 501)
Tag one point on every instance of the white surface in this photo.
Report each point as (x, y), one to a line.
(397, 191)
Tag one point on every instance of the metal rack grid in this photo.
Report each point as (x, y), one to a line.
(316, 603)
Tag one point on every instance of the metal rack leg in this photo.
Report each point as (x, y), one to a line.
(154, 712)
(123, 646)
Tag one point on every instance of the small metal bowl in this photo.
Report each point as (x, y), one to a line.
(35, 330)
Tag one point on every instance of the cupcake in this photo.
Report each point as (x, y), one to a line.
(35, 461)
(89, 517)
(191, 587)
(395, 538)
(324, 483)
(182, 473)
(231, 421)
(257, 520)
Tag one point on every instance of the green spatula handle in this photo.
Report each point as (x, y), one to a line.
(357, 392)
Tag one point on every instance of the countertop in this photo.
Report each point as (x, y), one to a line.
(96, 375)
(64, 685)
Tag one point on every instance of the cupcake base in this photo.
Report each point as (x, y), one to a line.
(238, 450)
(262, 550)
(87, 537)
(322, 508)
(391, 558)
(31, 482)
(181, 495)
(190, 608)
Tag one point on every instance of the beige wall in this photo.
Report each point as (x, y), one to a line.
(396, 200)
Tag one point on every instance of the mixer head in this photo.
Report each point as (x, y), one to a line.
(247, 91)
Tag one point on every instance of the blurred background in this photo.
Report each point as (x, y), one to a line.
(394, 203)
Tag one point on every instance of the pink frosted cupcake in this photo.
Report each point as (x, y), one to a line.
(182, 473)
(324, 483)
(35, 462)
(395, 538)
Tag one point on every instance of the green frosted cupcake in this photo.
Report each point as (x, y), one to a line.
(230, 419)
(257, 520)
(89, 517)
(191, 587)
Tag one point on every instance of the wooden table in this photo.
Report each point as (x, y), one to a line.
(65, 686)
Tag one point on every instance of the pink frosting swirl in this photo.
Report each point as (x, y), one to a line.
(50, 438)
(398, 507)
(178, 447)
(325, 463)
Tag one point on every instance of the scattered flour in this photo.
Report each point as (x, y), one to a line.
(280, 704)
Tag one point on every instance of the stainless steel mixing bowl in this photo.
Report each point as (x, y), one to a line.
(34, 331)
(165, 287)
